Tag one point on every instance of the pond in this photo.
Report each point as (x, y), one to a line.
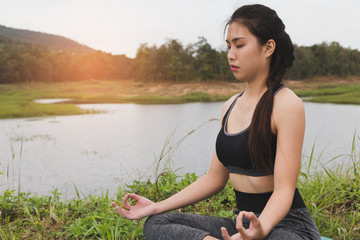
(103, 151)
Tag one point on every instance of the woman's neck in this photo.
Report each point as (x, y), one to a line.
(255, 89)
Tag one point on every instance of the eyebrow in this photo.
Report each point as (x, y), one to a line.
(234, 40)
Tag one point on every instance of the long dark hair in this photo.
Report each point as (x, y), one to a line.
(265, 24)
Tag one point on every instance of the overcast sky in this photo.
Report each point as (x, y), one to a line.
(120, 26)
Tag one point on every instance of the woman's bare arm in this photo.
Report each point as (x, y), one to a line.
(289, 120)
(209, 184)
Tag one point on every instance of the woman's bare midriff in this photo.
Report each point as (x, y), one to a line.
(248, 184)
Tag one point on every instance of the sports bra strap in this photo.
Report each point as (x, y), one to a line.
(231, 106)
(277, 90)
(239, 95)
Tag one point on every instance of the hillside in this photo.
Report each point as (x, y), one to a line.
(29, 56)
(42, 39)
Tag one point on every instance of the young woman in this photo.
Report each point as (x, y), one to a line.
(258, 147)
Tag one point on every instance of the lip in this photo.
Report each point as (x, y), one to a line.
(234, 68)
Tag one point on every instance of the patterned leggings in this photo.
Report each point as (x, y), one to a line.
(297, 225)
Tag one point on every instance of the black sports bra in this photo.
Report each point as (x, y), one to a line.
(232, 149)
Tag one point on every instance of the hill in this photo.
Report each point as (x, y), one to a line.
(29, 56)
(42, 39)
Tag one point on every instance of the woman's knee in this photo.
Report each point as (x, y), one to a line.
(153, 222)
(149, 225)
(162, 218)
(282, 233)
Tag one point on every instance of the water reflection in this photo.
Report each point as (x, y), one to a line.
(52, 100)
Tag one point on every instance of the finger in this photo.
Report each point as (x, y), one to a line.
(123, 213)
(252, 217)
(124, 202)
(114, 204)
(240, 227)
(225, 234)
(242, 232)
(239, 219)
(134, 196)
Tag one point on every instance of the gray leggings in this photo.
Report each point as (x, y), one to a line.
(297, 225)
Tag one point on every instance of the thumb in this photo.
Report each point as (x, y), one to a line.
(225, 234)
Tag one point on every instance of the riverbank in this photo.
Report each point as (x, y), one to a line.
(17, 100)
(332, 198)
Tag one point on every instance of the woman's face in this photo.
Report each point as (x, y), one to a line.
(247, 58)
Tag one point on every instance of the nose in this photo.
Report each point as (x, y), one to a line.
(231, 55)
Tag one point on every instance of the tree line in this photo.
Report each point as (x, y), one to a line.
(325, 59)
(172, 61)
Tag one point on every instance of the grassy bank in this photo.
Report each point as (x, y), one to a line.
(333, 201)
(341, 94)
(332, 197)
(17, 100)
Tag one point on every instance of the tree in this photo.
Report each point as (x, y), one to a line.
(207, 60)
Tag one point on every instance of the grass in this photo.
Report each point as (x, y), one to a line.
(17, 100)
(331, 195)
(340, 94)
(332, 201)
(20, 103)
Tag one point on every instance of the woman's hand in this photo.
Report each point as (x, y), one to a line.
(255, 230)
(226, 235)
(143, 207)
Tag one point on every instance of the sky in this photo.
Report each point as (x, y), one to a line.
(120, 26)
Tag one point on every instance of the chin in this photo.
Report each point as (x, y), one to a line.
(239, 78)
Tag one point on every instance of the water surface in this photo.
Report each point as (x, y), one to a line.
(102, 151)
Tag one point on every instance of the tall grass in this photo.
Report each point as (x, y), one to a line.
(332, 196)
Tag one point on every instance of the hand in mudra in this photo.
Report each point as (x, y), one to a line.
(255, 230)
(143, 207)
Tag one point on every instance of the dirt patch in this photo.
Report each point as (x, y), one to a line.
(130, 88)
(180, 89)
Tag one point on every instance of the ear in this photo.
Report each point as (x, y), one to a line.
(269, 48)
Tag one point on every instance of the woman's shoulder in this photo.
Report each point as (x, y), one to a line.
(287, 105)
(285, 98)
